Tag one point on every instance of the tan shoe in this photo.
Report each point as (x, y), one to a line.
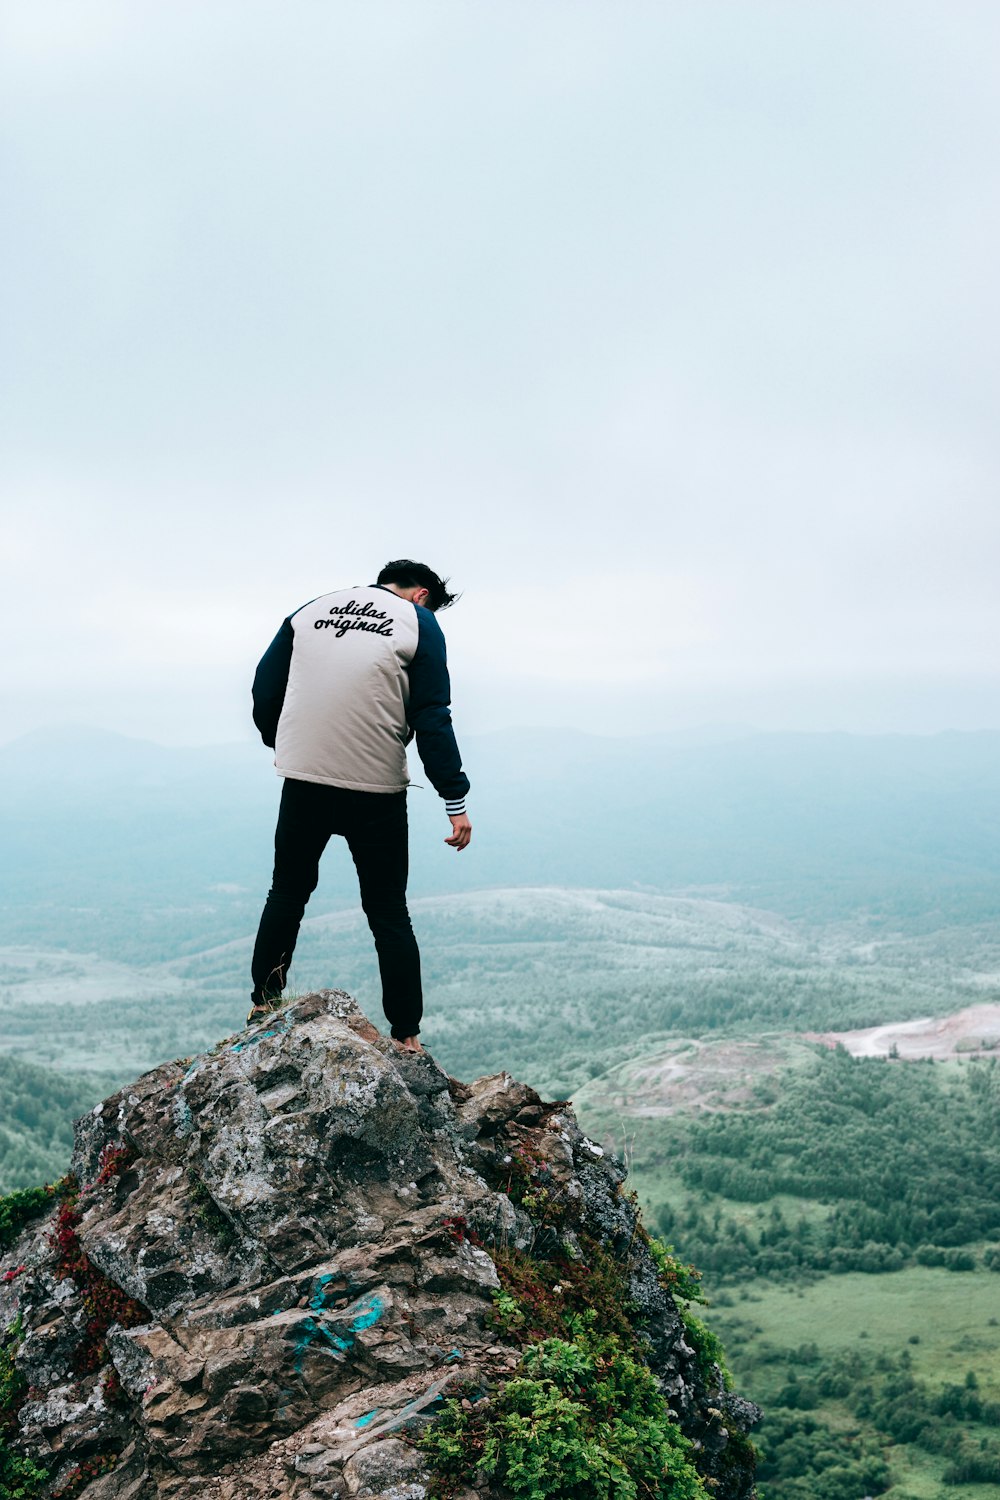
(261, 1009)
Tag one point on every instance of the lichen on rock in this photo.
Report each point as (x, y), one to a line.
(319, 1229)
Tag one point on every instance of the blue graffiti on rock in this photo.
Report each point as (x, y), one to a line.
(321, 1297)
(368, 1314)
(262, 1036)
(308, 1332)
(334, 1334)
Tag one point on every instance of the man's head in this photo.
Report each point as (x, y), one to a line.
(418, 582)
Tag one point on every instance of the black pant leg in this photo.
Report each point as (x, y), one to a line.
(378, 840)
(299, 840)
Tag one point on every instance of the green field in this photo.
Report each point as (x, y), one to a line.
(845, 1214)
(946, 1323)
(948, 1314)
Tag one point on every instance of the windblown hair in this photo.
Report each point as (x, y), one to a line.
(414, 575)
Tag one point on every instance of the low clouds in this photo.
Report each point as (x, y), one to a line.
(668, 330)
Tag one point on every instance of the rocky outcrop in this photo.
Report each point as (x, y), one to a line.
(282, 1256)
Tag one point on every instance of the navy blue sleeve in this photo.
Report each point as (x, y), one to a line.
(429, 713)
(270, 682)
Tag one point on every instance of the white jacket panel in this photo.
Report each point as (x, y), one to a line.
(343, 720)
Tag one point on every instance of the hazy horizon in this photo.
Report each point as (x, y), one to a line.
(707, 733)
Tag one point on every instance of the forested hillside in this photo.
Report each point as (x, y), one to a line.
(846, 1217)
(892, 1164)
(37, 1109)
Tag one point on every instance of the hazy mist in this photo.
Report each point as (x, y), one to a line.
(668, 330)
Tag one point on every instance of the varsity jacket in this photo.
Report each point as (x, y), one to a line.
(344, 686)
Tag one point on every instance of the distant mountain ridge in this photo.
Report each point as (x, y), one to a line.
(815, 826)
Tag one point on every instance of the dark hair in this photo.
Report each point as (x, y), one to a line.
(414, 575)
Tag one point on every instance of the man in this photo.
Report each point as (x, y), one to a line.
(344, 686)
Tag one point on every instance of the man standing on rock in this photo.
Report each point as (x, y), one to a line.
(344, 686)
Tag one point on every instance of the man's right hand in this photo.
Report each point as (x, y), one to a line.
(461, 831)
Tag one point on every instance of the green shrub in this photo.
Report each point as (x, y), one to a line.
(582, 1419)
(20, 1478)
(974, 1463)
(12, 1382)
(708, 1349)
(20, 1207)
(678, 1279)
(508, 1317)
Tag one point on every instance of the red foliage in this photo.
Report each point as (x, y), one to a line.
(112, 1390)
(12, 1275)
(82, 1473)
(113, 1160)
(70, 1259)
(549, 1289)
(460, 1229)
(104, 1302)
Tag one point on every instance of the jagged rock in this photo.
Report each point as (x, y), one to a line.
(382, 1467)
(297, 1212)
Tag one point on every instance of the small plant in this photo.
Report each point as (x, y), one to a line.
(209, 1214)
(82, 1473)
(13, 1386)
(507, 1316)
(112, 1390)
(526, 1177)
(20, 1478)
(683, 1282)
(460, 1230)
(583, 1419)
(19, 1208)
(708, 1349)
(114, 1160)
(675, 1277)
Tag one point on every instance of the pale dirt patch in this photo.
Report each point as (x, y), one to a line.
(693, 1076)
(966, 1033)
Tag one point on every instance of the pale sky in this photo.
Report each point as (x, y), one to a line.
(668, 330)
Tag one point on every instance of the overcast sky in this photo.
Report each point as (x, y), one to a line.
(668, 330)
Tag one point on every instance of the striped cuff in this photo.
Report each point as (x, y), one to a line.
(455, 807)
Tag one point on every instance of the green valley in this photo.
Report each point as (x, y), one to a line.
(556, 985)
(844, 1213)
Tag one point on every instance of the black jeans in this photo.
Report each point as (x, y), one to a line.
(374, 825)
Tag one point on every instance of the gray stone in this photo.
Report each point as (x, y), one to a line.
(307, 1221)
(381, 1466)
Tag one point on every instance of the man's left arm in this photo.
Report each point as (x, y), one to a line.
(429, 716)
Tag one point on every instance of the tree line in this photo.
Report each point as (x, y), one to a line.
(903, 1158)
